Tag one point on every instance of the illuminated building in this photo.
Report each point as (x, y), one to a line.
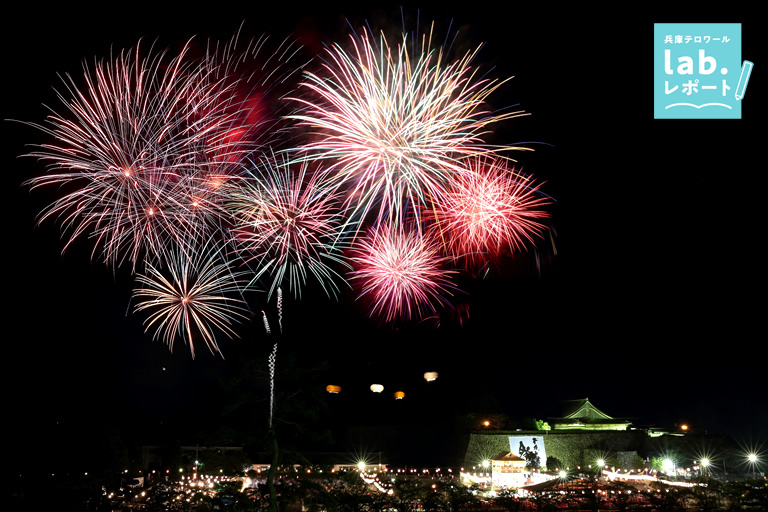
(574, 439)
(508, 470)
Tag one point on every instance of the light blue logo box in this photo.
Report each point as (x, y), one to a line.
(696, 69)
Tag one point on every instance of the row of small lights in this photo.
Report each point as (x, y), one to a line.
(668, 464)
(628, 473)
(486, 464)
(646, 474)
(385, 486)
(207, 486)
(374, 480)
(191, 486)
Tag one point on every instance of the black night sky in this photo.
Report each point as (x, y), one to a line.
(653, 306)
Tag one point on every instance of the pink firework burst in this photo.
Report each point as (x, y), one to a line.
(488, 211)
(395, 126)
(401, 273)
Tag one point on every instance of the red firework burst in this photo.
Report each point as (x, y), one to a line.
(488, 211)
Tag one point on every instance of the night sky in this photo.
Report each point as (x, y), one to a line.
(653, 306)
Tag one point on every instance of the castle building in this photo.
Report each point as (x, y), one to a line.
(582, 435)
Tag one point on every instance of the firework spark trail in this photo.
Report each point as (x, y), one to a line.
(288, 224)
(401, 273)
(488, 211)
(395, 126)
(196, 299)
(266, 322)
(272, 361)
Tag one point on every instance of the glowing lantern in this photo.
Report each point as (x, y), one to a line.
(333, 389)
(377, 388)
(399, 395)
(430, 376)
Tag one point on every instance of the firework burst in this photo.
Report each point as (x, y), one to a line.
(122, 143)
(288, 224)
(143, 148)
(488, 211)
(253, 80)
(162, 159)
(401, 273)
(193, 298)
(395, 125)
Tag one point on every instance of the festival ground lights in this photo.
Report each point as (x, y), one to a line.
(195, 488)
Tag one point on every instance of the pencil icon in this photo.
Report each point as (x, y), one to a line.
(746, 70)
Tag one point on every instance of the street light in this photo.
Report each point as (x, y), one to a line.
(668, 466)
(486, 465)
(705, 463)
(752, 461)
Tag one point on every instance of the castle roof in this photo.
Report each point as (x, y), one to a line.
(584, 410)
(581, 414)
